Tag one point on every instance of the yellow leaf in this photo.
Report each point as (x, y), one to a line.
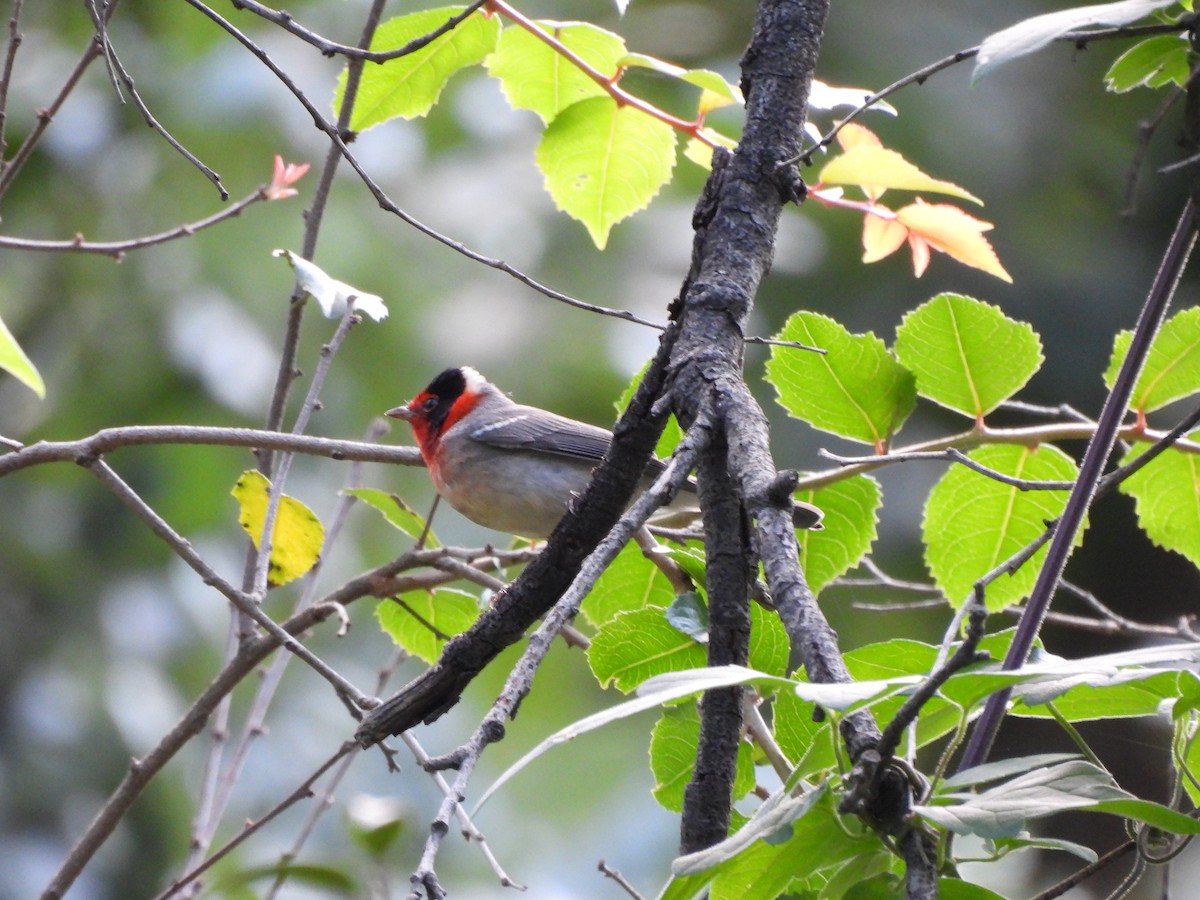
(855, 135)
(710, 100)
(875, 169)
(953, 232)
(881, 237)
(297, 537)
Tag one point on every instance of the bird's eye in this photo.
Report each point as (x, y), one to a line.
(430, 404)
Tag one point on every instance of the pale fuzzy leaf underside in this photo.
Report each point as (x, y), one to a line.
(1033, 34)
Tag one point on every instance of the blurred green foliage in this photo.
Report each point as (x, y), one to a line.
(107, 638)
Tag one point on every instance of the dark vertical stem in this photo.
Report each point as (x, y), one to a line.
(708, 798)
(313, 218)
(1154, 310)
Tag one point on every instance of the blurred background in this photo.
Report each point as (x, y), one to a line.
(106, 637)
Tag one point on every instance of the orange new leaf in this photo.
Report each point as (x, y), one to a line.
(951, 231)
(881, 237)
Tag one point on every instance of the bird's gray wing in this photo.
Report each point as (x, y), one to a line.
(545, 432)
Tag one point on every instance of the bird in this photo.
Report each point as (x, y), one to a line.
(510, 467)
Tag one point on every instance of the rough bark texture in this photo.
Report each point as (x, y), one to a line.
(729, 574)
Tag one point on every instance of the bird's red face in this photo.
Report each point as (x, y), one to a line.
(438, 407)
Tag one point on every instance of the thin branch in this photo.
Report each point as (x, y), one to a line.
(209, 576)
(622, 883)
(255, 722)
(285, 20)
(1090, 470)
(116, 66)
(920, 76)
(46, 116)
(109, 439)
(310, 404)
(976, 437)
(465, 822)
(303, 792)
(314, 216)
(10, 56)
(387, 204)
(1145, 131)
(118, 249)
(520, 678)
(1173, 438)
(376, 582)
(952, 454)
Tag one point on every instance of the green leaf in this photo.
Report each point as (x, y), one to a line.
(957, 889)
(967, 355)
(769, 645)
(864, 867)
(297, 537)
(631, 583)
(673, 744)
(973, 522)
(856, 389)
(420, 622)
(851, 515)
(14, 361)
(534, 76)
(635, 645)
(1166, 492)
(408, 86)
(604, 162)
(1172, 369)
(1033, 34)
(325, 879)
(396, 511)
(1151, 63)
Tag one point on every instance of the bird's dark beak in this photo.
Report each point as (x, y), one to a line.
(400, 412)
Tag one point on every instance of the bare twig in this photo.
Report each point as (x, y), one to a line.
(920, 76)
(303, 792)
(209, 576)
(10, 55)
(622, 883)
(46, 116)
(118, 249)
(109, 439)
(953, 454)
(118, 69)
(284, 20)
(275, 495)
